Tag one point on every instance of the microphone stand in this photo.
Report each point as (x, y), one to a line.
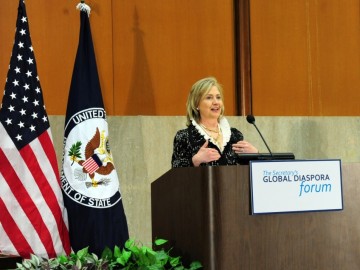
(263, 139)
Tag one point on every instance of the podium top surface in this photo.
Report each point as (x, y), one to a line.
(246, 157)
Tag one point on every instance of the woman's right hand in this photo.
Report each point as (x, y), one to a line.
(205, 155)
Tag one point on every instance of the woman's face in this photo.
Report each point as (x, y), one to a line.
(210, 105)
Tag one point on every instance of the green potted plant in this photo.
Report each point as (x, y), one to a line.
(132, 256)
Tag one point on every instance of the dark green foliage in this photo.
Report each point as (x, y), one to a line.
(74, 152)
(132, 257)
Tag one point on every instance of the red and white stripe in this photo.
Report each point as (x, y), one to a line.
(32, 214)
(90, 165)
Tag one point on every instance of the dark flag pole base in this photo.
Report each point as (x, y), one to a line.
(9, 262)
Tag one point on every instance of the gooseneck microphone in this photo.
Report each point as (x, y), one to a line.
(251, 119)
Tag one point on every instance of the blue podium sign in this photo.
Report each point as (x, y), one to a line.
(295, 186)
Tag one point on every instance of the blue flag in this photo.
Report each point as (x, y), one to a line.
(89, 179)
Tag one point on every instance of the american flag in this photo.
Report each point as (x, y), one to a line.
(33, 219)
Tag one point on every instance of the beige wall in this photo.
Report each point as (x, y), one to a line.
(142, 148)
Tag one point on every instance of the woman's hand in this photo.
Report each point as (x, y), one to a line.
(205, 155)
(244, 147)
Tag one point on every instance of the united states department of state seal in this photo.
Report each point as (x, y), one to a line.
(89, 176)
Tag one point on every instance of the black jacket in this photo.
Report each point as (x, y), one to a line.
(187, 143)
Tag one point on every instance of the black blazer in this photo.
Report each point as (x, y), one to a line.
(187, 143)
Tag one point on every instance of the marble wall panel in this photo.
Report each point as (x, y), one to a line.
(142, 149)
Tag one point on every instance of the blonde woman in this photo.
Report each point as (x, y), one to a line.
(208, 139)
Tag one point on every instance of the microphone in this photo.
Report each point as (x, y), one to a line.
(251, 119)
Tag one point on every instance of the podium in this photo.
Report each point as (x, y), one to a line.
(9, 262)
(204, 212)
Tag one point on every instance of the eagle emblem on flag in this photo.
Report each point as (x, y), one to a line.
(98, 159)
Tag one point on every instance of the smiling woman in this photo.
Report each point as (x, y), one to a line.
(208, 139)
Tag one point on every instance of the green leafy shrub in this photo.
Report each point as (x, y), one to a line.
(132, 256)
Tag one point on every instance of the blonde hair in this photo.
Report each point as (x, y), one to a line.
(198, 90)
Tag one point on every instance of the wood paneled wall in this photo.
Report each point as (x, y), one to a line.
(162, 47)
(305, 57)
(149, 53)
(305, 54)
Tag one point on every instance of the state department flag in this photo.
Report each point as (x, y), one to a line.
(33, 219)
(89, 179)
